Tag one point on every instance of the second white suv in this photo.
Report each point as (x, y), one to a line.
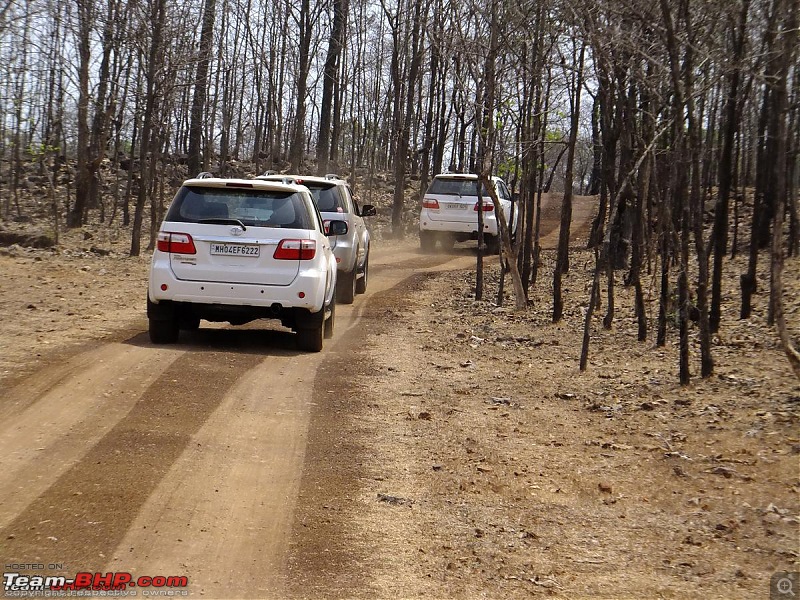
(334, 200)
(450, 207)
(236, 250)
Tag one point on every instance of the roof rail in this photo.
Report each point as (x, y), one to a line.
(204, 175)
(268, 173)
(332, 176)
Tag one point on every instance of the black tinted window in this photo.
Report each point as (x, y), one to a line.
(254, 207)
(326, 197)
(456, 187)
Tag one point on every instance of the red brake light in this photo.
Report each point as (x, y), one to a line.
(488, 206)
(295, 250)
(430, 203)
(176, 243)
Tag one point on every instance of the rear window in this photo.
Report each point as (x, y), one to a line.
(327, 198)
(455, 187)
(258, 208)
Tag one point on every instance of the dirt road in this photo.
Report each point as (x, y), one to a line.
(438, 447)
(182, 460)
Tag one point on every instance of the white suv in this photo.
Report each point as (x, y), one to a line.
(450, 212)
(334, 200)
(237, 250)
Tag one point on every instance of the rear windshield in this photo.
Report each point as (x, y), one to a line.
(456, 187)
(326, 198)
(259, 208)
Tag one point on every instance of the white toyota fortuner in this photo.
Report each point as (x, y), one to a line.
(236, 250)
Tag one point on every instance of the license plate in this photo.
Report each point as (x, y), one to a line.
(455, 205)
(235, 250)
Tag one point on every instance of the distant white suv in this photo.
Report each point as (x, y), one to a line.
(237, 250)
(450, 212)
(334, 200)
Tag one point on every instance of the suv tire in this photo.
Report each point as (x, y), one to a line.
(448, 242)
(311, 329)
(163, 331)
(189, 322)
(309, 339)
(427, 241)
(361, 282)
(327, 328)
(492, 244)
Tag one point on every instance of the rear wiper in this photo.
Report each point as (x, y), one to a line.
(223, 221)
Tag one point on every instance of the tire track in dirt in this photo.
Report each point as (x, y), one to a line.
(52, 420)
(329, 555)
(83, 514)
(221, 515)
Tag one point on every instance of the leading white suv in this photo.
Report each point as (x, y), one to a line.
(236, 250)
(334, 200)
(450, 211)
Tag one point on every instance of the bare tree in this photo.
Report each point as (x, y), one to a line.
(305, 21)
(195, 159)
(157, 16)
(335, 45)
(562, 259)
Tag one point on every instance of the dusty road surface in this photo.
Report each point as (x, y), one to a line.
(182, 460)
(437, 447)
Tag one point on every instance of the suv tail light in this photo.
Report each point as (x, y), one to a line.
(430, 203)
(176, 243)
(487, 206)
(295, 250)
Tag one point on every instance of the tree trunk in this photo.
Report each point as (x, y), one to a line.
(562, 260)
(196, 160)
(83, 177)
(730, 127)
(158, 15)
(403, 121)
(329, 74)
(304, 23)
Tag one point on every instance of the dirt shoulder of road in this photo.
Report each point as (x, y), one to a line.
(54, 301)
(458, 452)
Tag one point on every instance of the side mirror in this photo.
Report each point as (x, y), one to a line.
(368, 211)
(336, 228)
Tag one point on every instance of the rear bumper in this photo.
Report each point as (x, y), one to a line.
(489, 226)
(311, 284)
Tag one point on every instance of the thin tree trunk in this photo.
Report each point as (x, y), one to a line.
(85, 10)
(196, 160)
(145, 147)
(726, 172)
(562, 260)
(330, 72)
(304, 24)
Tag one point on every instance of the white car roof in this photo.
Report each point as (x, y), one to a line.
(331, 179)
(218, 182)
(467, 176)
